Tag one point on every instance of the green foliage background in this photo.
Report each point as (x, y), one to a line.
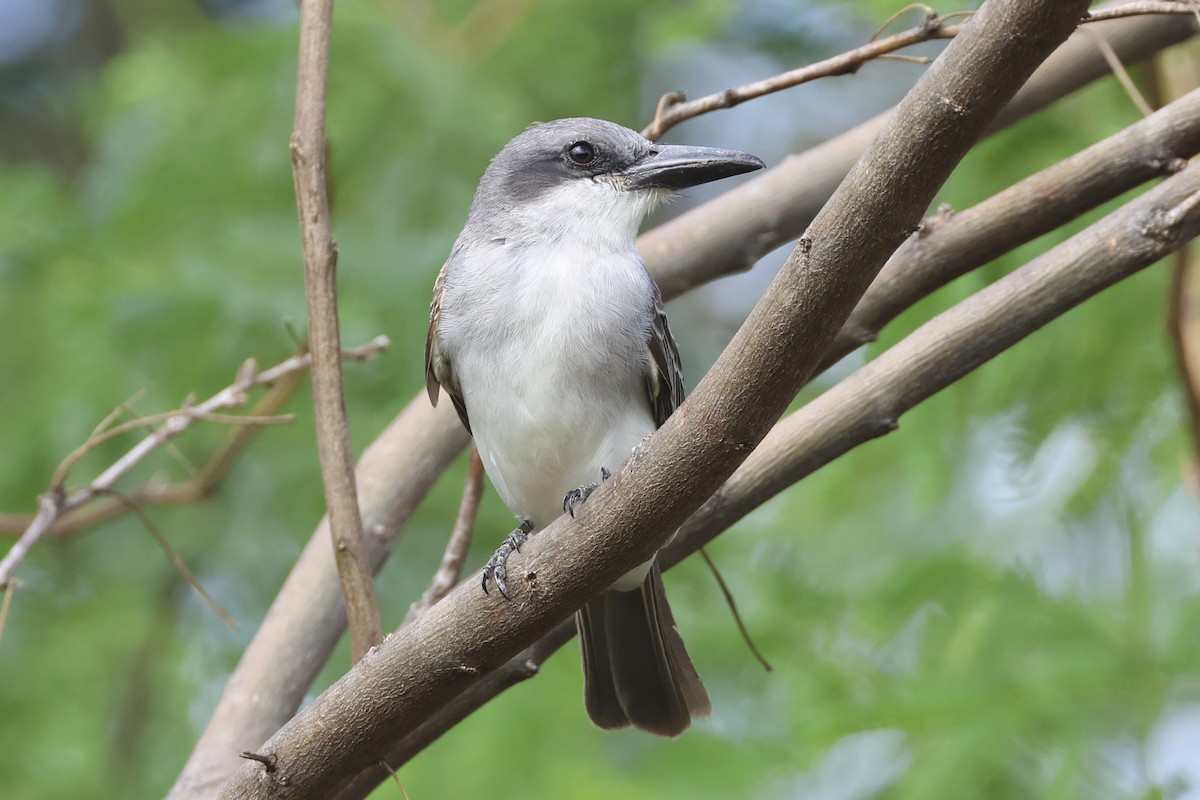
(999, 600)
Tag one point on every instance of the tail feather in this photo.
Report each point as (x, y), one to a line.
(600, 695)
(636, 668)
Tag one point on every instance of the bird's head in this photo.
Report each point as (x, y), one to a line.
(590, 180)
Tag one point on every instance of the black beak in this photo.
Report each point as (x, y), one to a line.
(672, 166)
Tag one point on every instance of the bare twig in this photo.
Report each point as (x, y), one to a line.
(677, 109)
(306, 620)
(674, 107)
(396, 778)
(1183, 328)
(930, 13)
(320, 282)
(1172, 77)
(425, 665)
(730, 233)
(6, 602)
(1119, 72)
(1141, 8)
(57, 501)
(283, 380)
(176, 560)
(733, 609)
(867, 404)
(450, 570)
(720, 237)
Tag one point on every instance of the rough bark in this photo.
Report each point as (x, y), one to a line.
(413, 674)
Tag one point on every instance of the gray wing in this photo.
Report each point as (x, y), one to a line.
(664, 377)
(438, 372)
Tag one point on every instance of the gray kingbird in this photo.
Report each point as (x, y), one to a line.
(550, 338)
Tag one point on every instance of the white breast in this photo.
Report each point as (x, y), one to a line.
(548, 345)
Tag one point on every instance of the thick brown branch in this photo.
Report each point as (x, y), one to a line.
(306, 619)
(320, 282)
(730, 233)
(869, 403)
(519, 668)
(416, 672)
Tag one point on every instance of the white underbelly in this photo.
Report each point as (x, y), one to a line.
(551, 357)
(538, 441)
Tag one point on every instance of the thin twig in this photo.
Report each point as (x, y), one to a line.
(308, 149)
(1183, 328)
(922, 60)
(249, 419)
(159, 492)
(450, 570)
(678, 109)
(1142, 7)
(931, 15)
(733, 609)
(722, 237)
(1172, 77)
(173, 556)
(57, 501)
(395, 777)
(5, 603)
(431, 662)
(116, 413)
(1182, 211)
(1119, 72)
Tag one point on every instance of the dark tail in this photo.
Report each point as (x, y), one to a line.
(636, 670)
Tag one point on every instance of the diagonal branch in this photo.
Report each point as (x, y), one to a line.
(723, 236)
(730, 233)
(420, 669)
(952, 244)
(674, 108)
(320, 283)
(870, 402)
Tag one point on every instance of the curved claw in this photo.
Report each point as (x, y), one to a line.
(577, 496)
(496, 568)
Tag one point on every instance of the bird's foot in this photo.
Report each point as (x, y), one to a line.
(496, 568)
(577, 496)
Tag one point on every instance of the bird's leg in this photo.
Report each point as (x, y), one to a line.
(577, 496)
(496, 567)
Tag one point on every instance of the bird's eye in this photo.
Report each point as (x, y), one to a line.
(581, 153)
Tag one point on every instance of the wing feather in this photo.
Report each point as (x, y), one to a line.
(664, 374)
(438, 372)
